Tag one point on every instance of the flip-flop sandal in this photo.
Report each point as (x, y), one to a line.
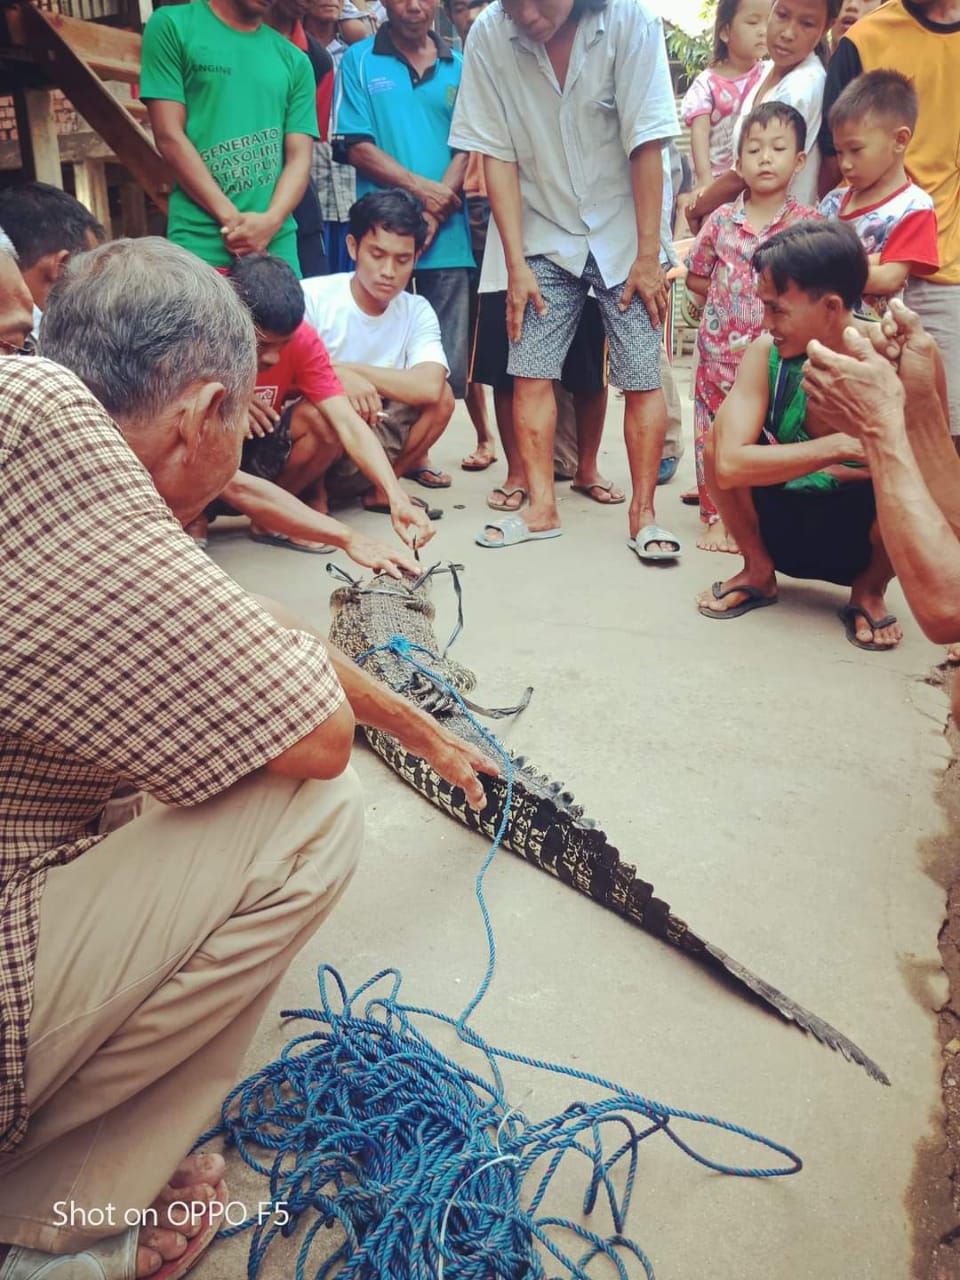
(507, 494)
(475, 466)
(281, 540)
(113, 1258)
(441, 481)
(691, 498)
(382, 509)
(515, 531)
(755, 600)
(609, 488)
(849, 614)
(653, 533)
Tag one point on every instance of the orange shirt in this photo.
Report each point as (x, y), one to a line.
(894, 36)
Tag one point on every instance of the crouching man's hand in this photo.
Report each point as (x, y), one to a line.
(380, 557)
(361, 393)
(456, 761)
(411, 522)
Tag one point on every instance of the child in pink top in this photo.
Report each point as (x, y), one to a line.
(712, 102)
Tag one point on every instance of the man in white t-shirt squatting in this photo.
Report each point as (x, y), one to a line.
(384, 343)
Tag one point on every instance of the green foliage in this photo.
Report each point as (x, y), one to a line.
(693, 52)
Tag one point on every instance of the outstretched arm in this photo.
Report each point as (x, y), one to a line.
(373, 704)
(411, 522)
(281, 512)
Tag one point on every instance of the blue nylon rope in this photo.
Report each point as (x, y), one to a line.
(423, 1164)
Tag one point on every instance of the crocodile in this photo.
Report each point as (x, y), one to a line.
(545, 827)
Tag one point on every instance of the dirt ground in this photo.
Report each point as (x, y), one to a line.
(935, 1195)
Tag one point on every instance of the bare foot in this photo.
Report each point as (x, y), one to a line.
(709, 602)
(716, 538)
(483, 456)
(953, 655)
(873, 603)
(198, 1178)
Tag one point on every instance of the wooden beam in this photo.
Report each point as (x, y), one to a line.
(74, 147)
(133, 206)
(112, 54)
(90, 185)
(37, 126)
(89, 95)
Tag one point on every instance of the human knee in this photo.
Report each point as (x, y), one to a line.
(308, 423)
(445, 406)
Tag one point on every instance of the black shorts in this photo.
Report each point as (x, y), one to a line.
(263, 456)
(266, 456)
(821, 534)
(584, 370)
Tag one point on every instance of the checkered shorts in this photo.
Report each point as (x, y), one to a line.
(633, 342)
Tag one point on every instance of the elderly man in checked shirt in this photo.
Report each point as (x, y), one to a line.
(135, 962)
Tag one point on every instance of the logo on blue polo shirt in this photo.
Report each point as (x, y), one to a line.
(380, 84)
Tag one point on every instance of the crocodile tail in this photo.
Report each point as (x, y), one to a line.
(793, 1012)
(547, 830)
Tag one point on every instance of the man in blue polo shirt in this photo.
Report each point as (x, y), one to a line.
(392, 115)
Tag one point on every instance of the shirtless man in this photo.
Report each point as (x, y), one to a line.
(791, 488)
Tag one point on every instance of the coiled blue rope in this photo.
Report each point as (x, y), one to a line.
(365, 1124)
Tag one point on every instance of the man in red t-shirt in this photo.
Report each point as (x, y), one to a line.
(300, 419)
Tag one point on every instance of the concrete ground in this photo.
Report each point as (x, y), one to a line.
(775, 784)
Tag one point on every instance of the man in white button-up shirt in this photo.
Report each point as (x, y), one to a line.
(569, 101)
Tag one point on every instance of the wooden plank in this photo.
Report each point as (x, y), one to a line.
(37, 123)
(74, 147)
(89, 95)
(133, 206)
(112, 54)
(90, 185)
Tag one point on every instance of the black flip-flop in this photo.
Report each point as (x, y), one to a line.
(382, 509)
(849, 614)
(755, 600)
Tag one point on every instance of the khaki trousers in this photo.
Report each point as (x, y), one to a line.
(159, 950)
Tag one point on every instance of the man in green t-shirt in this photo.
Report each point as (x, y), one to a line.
(233, 113)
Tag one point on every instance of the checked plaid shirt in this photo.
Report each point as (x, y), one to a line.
(125, 653)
